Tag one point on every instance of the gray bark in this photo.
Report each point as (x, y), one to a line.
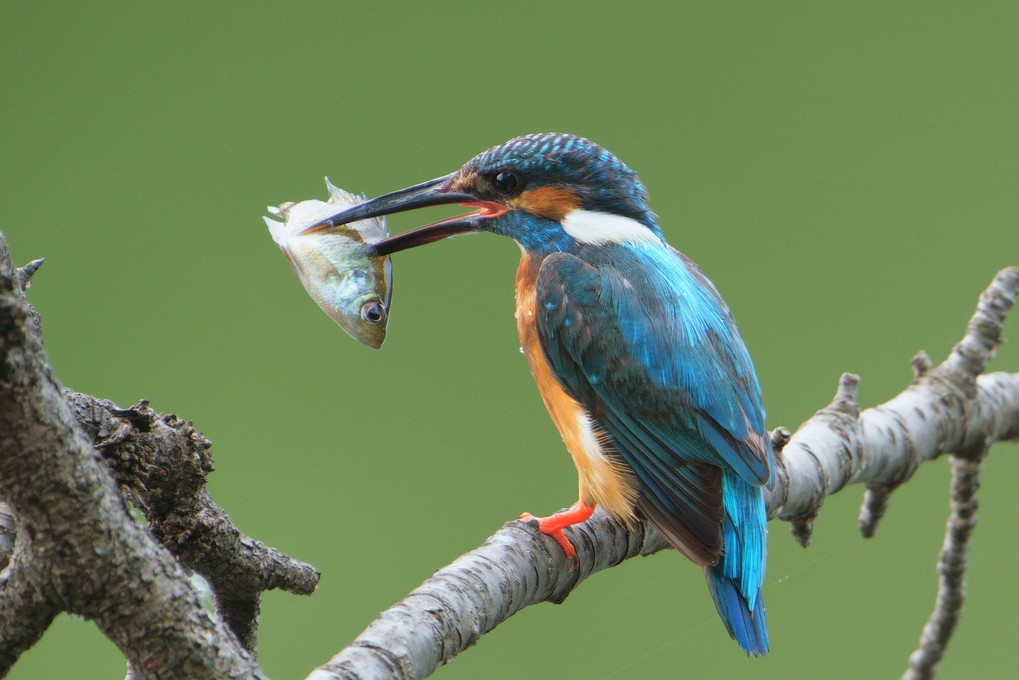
(160, 463)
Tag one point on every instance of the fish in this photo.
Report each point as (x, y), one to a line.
(351, 283)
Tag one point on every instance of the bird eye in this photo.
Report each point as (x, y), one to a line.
(373, 313)
(506, 182)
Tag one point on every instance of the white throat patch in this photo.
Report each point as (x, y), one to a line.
(591, 226)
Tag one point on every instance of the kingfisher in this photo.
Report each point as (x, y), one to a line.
(635, 354)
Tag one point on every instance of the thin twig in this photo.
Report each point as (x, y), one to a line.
(923, 663)
(875, 503)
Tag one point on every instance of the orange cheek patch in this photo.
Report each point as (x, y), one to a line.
(549, 202)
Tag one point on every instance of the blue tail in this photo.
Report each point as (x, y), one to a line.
(735, 582)
(747, 625)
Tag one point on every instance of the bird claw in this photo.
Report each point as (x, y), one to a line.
(553, 526)
(553, 532)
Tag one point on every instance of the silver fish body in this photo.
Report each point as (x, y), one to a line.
(350, 283)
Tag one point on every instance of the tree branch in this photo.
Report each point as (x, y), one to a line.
(923, 663)
(948, 409)
(7, 533)
(77, 548)
(160, 463)
(25, 613)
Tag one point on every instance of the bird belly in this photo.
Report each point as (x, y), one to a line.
(604, 479)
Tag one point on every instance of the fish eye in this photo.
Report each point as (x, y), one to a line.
(506, 182)
(373, 313)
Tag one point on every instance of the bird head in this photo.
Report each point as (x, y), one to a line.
(546, 191)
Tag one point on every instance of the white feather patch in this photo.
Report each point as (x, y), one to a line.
(589, 441)
(591, 226)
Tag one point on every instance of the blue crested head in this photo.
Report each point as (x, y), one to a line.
(548, 175)
(602, 181)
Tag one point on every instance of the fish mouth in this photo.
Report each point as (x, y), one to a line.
(431, 193)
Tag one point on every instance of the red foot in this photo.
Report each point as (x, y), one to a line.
(553, 526)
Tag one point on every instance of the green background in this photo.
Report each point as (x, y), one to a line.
(846, 175)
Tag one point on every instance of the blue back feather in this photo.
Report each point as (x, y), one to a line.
(640, 337)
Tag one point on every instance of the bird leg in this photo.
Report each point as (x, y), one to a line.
(553, 526)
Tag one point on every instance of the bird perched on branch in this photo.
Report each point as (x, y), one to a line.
(635, 354)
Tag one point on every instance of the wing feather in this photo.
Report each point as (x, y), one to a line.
(649, 349)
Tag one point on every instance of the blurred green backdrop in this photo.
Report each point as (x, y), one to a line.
(845, 174)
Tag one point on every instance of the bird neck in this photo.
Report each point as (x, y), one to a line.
(578, 229)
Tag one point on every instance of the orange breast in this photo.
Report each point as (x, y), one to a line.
(603, 479)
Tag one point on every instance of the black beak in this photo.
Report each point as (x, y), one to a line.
(433, 192)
